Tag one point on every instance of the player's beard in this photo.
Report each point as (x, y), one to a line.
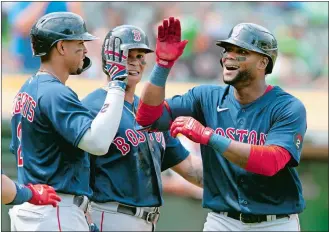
(243, 78)
(79, 71)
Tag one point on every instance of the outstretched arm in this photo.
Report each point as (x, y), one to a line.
(169, 48)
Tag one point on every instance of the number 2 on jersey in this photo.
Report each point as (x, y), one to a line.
(19, 150)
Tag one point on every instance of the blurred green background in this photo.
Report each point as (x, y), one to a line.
(185, 214)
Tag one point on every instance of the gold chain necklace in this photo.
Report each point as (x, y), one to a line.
(44, 71)
(133, 113)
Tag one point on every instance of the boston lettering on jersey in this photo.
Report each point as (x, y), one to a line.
(251, 137)
(25, 105)
(135, 138)
(130, 173)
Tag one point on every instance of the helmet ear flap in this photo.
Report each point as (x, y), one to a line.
(86, 63)
(269, 67)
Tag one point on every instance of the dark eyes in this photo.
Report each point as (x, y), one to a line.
(140, 56)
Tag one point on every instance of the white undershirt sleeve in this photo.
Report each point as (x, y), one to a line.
(98, 138)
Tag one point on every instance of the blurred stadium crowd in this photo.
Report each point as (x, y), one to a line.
(301, 29)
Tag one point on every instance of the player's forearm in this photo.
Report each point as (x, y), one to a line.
(259, 159)
(100, 135)
(8, 190)
(154, 91)
(238, 153)
(235, 152)
(191, 169)
(153, 95)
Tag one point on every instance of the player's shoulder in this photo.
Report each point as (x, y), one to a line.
(287, 101)
(207, 89)
(49, 87)
(96, 95)
(284, 96)
(48, 84)
(42, 84)
(94, 100)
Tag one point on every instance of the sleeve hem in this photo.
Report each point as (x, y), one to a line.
(79, 137)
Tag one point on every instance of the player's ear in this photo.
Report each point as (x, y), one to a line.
(263, 62)
(60, 47)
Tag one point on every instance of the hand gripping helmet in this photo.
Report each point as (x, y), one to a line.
(255, 38)
(131, 37)
(53, 27)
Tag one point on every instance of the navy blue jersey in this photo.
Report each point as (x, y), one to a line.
(276, 118)
(48, 121)
(130, 172)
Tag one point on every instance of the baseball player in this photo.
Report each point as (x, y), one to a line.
(127, 180)
(251, 133)
(49, 123)
(16, 194)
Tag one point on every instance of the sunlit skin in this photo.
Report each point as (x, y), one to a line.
(66, 58)
(135, 65)
(248, 78)
(75, 52)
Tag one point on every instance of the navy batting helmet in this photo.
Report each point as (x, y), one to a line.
(255, 38)
(131, 37)
(53, 27)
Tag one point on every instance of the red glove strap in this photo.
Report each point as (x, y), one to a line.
(146, 115)
(267, 160)
(207, 133)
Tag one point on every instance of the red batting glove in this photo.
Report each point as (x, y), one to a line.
(192, 129)
(169, 46)
(43, 194)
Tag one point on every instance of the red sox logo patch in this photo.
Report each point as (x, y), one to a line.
(298, 140)
(137, 35)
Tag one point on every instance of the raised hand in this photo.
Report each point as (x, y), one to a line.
(116, 59)
(192, 129)
(169, 46)
(43, 195)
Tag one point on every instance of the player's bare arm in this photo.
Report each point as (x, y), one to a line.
(191, 169)
(169, 48)
(8, 190)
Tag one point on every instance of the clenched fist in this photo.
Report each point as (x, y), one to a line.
(192, 129)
